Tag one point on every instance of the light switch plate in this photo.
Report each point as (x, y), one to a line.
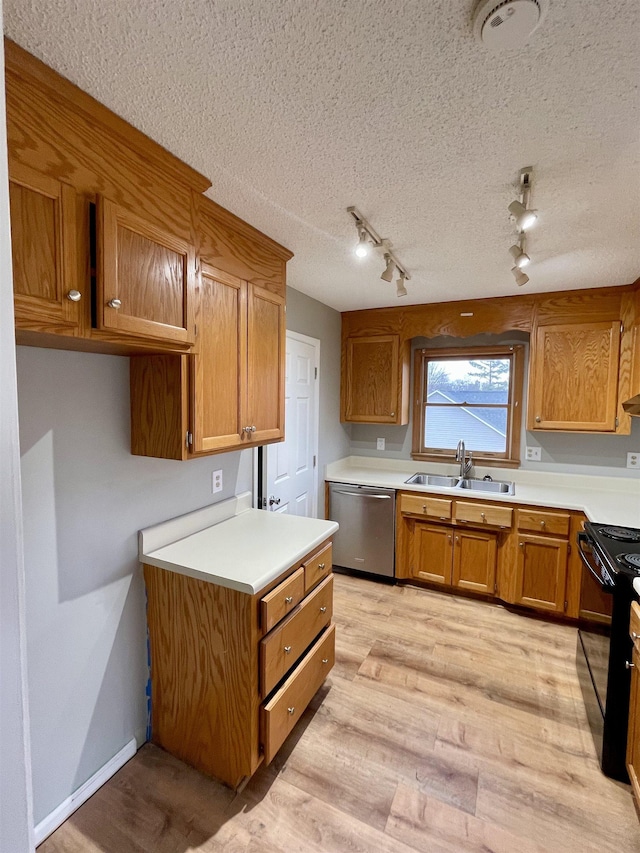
(216, 482)
(633, 460)
(533, 454)
(380, 442)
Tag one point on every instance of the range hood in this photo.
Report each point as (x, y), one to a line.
(632, 406)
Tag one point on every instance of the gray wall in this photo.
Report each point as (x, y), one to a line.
(84, 499)
(310, 317)
(560, 451)
(16, 819)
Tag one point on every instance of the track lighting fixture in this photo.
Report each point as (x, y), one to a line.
(520, 211)
(387, 275)
(520, 257)
(520, 277)
(368, 237)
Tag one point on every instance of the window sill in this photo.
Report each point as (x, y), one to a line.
(483, 461)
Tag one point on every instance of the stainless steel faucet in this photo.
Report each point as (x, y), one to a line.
(466, 462)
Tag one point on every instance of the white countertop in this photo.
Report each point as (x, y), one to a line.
(607, 500)
(232, 545)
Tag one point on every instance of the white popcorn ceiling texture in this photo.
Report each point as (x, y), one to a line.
(296, 110)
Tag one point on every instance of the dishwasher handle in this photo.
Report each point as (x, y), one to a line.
(363, 495)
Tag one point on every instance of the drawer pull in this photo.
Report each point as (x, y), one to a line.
(323, 610)
(325, 660)
(521, 544)
(287, 649)
(424, 507)
(114, 303)
(288, 599)
(629, 665)
(291, 710)
(634, 636)
(482, 515)
(320, 566)
(543, 524)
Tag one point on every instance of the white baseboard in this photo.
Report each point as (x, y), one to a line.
(58, 816)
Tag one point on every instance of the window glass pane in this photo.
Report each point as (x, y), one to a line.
(481, 429)
(462, 380)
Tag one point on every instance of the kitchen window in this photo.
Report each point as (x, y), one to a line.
(473, 394)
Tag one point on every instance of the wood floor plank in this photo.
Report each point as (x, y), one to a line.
(448, 725)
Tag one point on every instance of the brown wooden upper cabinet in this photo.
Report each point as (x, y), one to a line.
(43, 244)
(573, 377)
(374, 387)
(145, 277)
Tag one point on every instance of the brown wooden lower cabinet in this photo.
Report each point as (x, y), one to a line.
(210, 706)
(455, 557)
(541, 572)
(633, 737)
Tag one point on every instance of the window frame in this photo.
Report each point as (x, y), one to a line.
(515, 353)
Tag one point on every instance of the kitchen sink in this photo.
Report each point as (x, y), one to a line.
(432, 480)
(501, 486)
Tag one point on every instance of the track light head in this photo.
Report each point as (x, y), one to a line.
(520, 277)
(524, 218)
(362, 249)
(387, 275)
(401, 290)
(520, 257)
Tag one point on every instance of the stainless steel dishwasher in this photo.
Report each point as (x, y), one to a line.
(365, 540)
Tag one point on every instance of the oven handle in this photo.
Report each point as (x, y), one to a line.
(606, 587)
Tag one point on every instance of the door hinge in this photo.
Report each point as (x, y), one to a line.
(568, 549)
(189, 439)
(495, 587)
(316, 373)
(566, 604)
(195, 330)
(314, 462)
(617, 422)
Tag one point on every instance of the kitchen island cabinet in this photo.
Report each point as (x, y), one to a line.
(239, 616)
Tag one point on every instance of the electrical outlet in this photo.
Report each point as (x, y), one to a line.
(633, 460)
(380, 444)
(533, 454)
(216, 482)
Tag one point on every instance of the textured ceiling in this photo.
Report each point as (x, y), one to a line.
(296, 110)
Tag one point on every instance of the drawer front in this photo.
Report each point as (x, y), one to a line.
(477, 513)
(634, 624)
(282, 600)
(317, 568)
(426, 505)
(282, 712)
(535, 521)
(285, 644)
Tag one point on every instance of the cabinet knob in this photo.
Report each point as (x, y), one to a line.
(250, 428)
(287, 649)
(74, 295)
(482, 516)
(321, 566)
(325, 660)
(457, 538)
(114, 303)
(291, 710)
(521, 544)
(323, 610)
(629, 665)
(288, 599)
(424, 507)
(393, 414)
(538, 419)
(634, 636)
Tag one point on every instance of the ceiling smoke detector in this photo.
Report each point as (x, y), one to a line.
(503, 25)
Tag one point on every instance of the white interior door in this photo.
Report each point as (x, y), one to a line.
(291, 477)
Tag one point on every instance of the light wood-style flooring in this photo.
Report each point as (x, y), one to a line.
(448, 725)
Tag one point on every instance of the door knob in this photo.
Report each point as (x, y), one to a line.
(273, 500)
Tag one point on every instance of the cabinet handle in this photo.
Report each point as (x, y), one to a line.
(424, 507)
(543, 524)
(482, 516)
(538, 419)
(457, 538)
(291, 710)
(634, 636)
(629, 665)
(323, 610)
(114, 303)
(325, 660)
(320, 566)
(521, 544)
(74, 295)
(287, 649)
(288, 599)
(393, 414)
(449, 537)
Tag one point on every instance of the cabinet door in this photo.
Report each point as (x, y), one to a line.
(541, 573)
(219, 363)
(633, 738)
(145, 277)
(432, 550)
(370, 380)
(474, 560)
(266, 345)
(43, 248)
(574, 377)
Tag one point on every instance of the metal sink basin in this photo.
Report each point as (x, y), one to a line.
(432, 480)
(499, 486)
